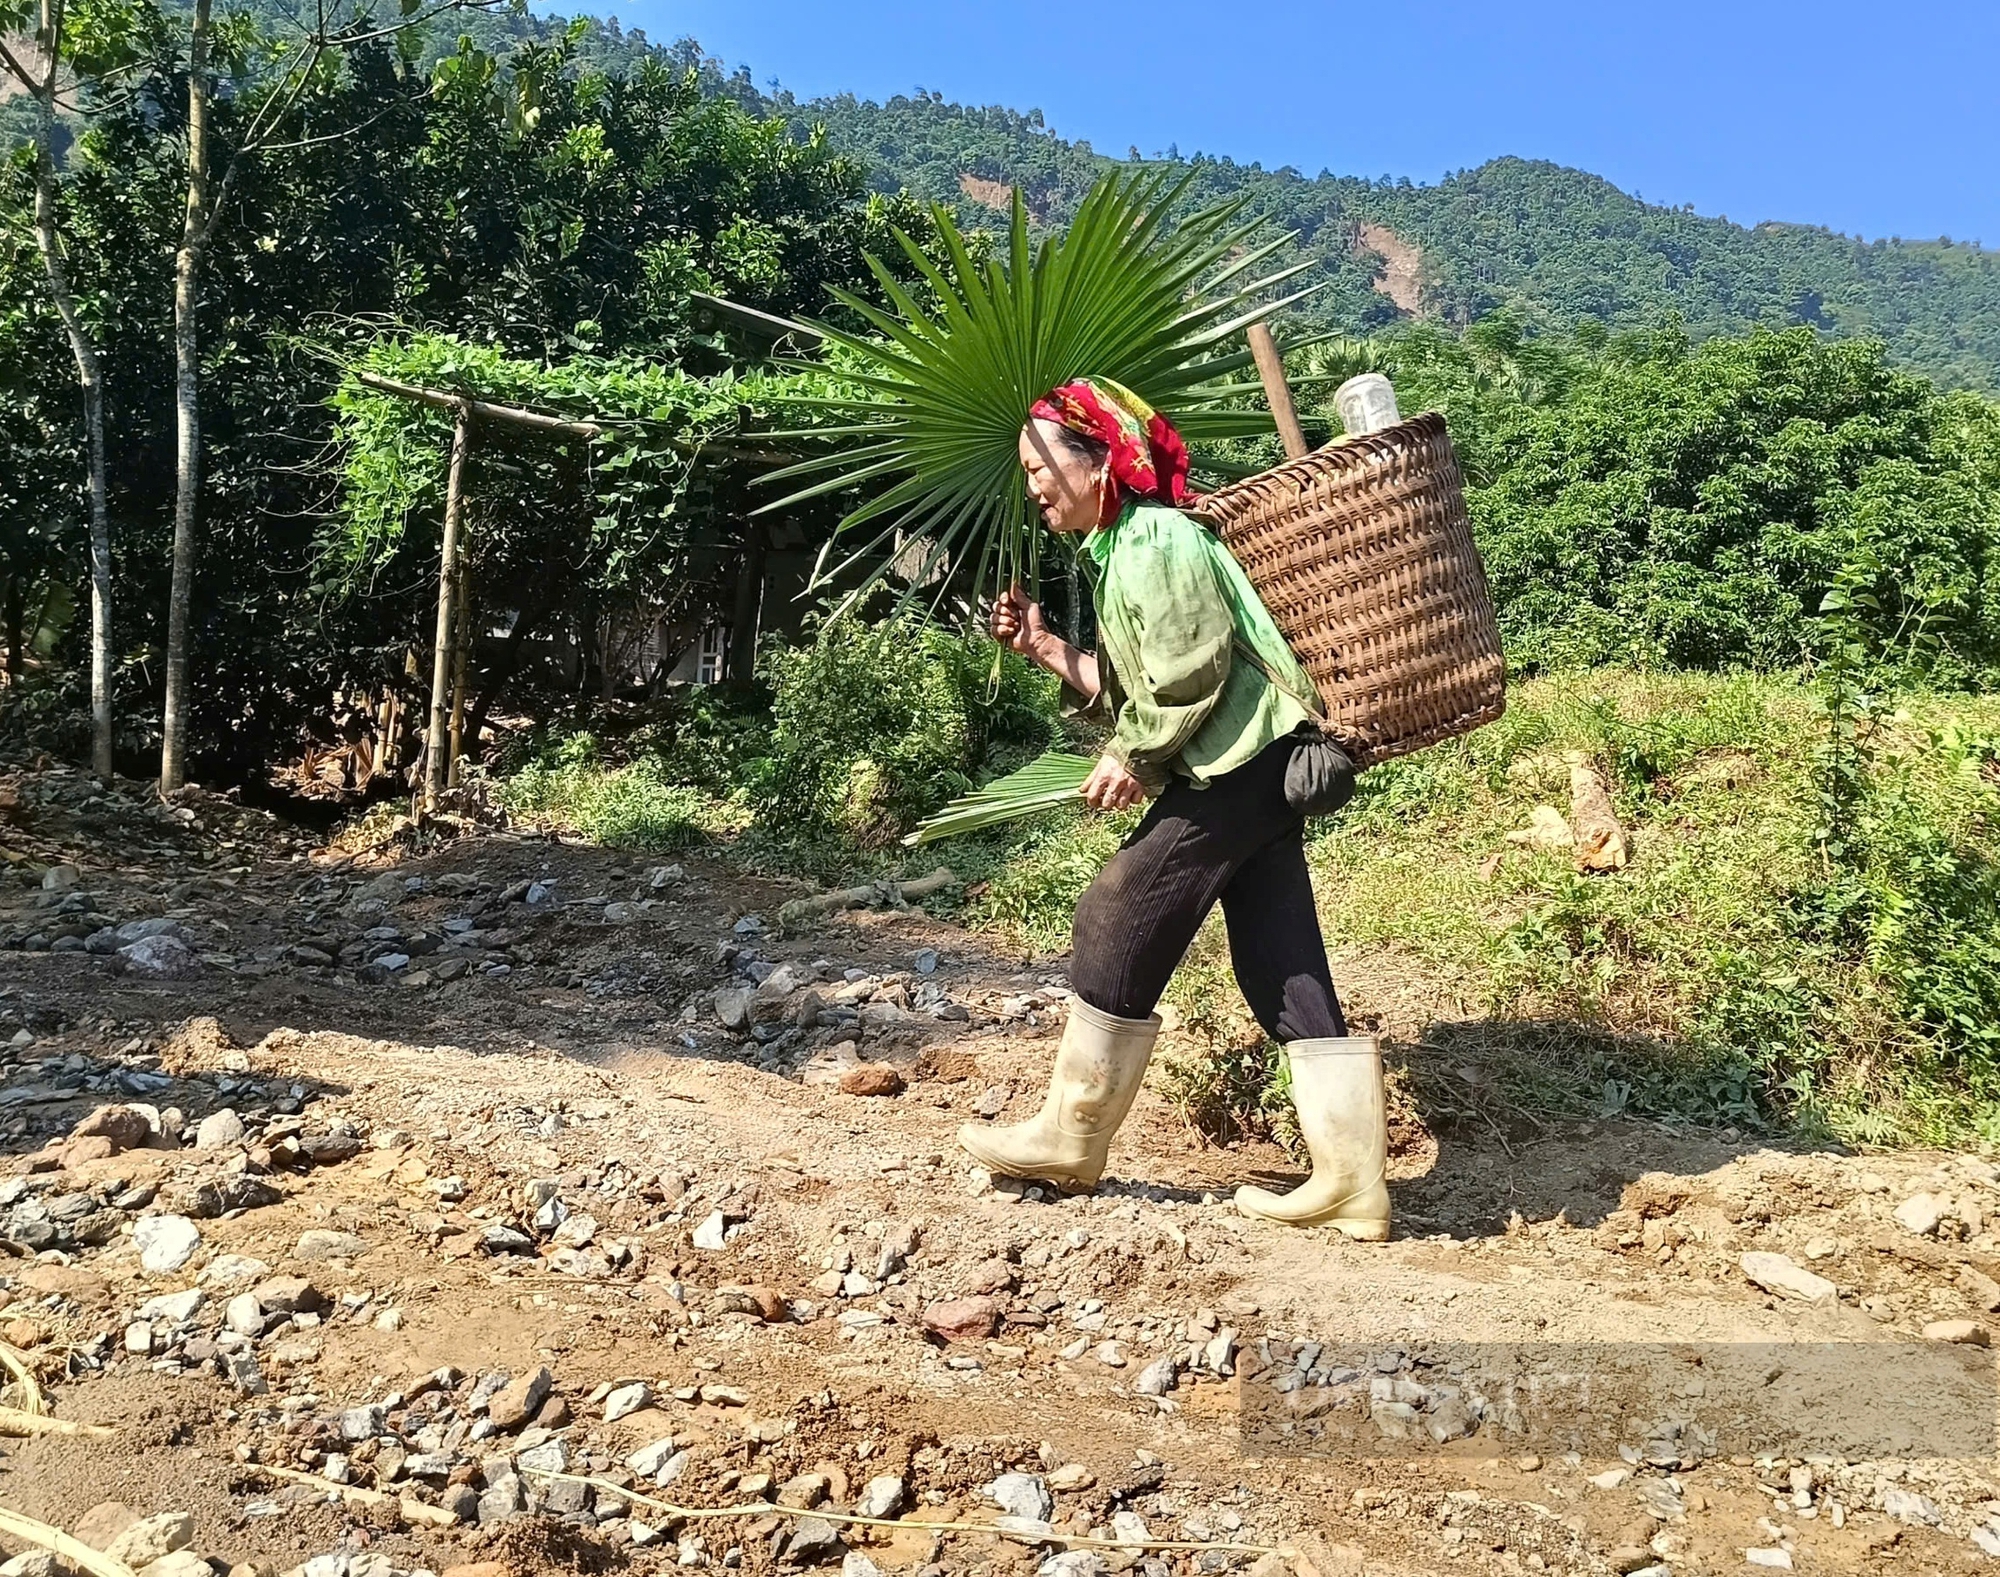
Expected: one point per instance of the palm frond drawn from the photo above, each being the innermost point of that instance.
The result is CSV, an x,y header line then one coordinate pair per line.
x,y
944,383
1046,783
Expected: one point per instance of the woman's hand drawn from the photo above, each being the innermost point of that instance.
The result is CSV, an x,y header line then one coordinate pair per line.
x,y
1016,622
1111,786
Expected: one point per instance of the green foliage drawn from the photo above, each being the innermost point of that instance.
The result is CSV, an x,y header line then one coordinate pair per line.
x,y
935,423
875,727
633,805
1642,501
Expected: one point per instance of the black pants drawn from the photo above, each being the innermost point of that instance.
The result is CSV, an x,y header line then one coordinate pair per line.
x,y
1237,841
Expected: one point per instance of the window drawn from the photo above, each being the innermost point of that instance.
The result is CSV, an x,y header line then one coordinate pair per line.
x,y
708,662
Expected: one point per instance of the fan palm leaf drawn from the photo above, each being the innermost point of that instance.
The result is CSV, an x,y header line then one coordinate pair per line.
x,y
942,385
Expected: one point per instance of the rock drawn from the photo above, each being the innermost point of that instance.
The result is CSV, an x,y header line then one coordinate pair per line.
x,y
219,1130
1981,1288
1074,1563
151,1538
1778,1273
1449,1420
165,1243
882,1496
139,1338
991,1277
519,1400
504,1498
499,1238
1967,1333
104,1521
710,1234
963,1319
1777,1559
1158,1377
35,1563
551,1456
1129,1529
160,958
61,878
125,1128
460,1501
855,1564
813,1540
732,1008
803,1491
1396,1420
288,1295
1023,1495
871,1078
648,1460
1071,1477
181,1563
173,1308
216,1199
322,1243
244,1315
1922,1213
1612,1478
226,1269
363,1423
626,1400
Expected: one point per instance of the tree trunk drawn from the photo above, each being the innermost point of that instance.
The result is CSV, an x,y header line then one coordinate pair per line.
x,y
740,661
187,407
90,379
438,744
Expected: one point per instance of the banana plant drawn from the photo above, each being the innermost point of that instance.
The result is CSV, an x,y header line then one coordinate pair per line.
x,y
937,394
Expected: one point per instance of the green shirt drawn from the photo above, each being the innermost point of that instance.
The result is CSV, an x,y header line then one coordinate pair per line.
x,y
1172,606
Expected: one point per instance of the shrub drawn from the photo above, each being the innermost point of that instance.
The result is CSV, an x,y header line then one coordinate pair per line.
x,y
636,805
874,727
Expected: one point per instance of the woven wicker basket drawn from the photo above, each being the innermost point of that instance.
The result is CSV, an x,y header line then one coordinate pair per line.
x,y
1363,553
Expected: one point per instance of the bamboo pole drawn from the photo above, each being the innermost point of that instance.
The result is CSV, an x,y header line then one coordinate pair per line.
x,y
1271,368
438,741
461,659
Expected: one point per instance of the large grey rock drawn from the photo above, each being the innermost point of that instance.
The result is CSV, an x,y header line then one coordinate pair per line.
x,y
1023,1495
1922,1213
160,958
813,1540
151,1538
1778,1273
219,1130
626,1400
173,1308
165,1243
882,1496
649,1459
504,1498
1158,1377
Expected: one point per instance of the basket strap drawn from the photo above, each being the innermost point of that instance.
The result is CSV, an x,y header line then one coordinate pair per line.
x,y
1316,704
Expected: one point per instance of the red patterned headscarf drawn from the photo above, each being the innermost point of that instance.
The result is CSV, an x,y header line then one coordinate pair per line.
x,y
1147,455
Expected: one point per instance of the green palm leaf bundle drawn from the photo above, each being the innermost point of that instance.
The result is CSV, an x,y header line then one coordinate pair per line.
x,y
943,386
1049,781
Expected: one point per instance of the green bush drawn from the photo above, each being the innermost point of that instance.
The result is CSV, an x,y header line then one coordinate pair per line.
x,y
874,727
636,805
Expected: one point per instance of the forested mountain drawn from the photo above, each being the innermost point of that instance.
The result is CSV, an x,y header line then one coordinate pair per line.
x,y
1555,244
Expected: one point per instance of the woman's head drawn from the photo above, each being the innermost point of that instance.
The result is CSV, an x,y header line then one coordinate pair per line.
x,y
1068,475
1089,443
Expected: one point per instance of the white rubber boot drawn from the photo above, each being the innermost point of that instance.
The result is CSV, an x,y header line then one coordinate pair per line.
x,y
1096,1076
1343,1116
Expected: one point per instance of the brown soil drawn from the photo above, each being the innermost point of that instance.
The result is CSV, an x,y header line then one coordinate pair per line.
x,y
997,195
597,1062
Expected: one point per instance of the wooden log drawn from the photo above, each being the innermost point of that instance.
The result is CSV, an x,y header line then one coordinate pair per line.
x,y
1271,368
1601,843
437,758
871,894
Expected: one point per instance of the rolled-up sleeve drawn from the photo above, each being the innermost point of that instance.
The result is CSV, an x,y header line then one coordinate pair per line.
x,y
1184,629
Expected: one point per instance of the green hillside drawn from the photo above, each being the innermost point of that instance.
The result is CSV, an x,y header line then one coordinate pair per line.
x,y
1554,244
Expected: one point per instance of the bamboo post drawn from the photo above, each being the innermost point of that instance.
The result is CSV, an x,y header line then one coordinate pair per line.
x,y
461,660
438,742
1271,368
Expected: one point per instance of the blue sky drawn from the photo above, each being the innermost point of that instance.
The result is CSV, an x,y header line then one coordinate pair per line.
x,y
1878,120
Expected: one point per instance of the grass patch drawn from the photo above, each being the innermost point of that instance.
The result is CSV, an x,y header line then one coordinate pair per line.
x,y
631,805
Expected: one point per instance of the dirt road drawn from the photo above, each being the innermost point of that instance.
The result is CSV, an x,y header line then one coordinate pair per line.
x,y
497,1181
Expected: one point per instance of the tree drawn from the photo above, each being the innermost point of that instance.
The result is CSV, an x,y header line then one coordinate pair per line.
x,y
303,68
108,37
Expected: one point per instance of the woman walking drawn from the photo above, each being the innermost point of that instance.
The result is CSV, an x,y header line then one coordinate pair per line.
x,y
1207,706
